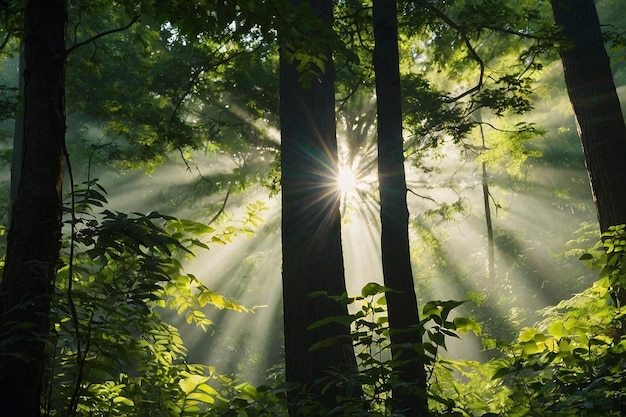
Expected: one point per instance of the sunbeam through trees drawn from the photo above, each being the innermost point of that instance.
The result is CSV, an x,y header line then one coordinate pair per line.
x,y
312,208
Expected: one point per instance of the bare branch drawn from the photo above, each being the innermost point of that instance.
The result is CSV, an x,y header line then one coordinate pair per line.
x,y
221,210
425,197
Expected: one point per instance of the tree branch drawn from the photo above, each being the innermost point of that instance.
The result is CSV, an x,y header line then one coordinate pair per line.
x,y
100,35
5,41
425,197
221,210
467,42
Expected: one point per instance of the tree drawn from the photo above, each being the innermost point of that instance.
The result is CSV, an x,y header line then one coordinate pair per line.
x,y
596,106
35,227
396,260
491,259
311,229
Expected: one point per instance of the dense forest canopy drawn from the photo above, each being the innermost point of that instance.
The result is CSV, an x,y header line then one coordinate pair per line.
x,y
216,203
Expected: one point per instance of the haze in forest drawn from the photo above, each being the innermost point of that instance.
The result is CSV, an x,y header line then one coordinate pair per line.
x,y
162,128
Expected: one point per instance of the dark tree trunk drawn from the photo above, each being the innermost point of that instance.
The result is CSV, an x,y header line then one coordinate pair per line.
x,y
35,227
596,105
491,258
311,228
409,400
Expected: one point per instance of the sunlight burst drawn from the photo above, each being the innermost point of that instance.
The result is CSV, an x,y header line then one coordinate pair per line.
x,y
346,180
354,185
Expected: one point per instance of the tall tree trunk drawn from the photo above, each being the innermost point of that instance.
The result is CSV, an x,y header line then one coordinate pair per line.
x,y
18,135
311,228
35,228
491,257
409,395
596,105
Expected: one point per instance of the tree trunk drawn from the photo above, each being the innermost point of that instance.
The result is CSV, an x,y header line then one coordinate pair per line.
x,y
409,394
596,105
35,228
491,257
311,229
18,135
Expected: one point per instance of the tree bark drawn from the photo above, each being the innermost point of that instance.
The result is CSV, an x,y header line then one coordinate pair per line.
x,y
596,105
311,228
35,227
409,394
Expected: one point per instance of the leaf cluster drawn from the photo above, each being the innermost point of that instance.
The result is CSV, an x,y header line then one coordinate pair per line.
x,y
377,373
112,353
570,364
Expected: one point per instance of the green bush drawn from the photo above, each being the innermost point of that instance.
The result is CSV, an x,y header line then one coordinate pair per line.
x,y
111,353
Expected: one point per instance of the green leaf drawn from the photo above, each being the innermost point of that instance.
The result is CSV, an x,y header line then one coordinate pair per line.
x,y
527,334
124,400
201,396
430,308
324,343
190,383
345,320
465,325
530,348
315,294
371,288
207,389
501,373
489,343
556,329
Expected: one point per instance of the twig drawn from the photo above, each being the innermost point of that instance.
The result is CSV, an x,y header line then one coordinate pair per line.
x,y
221,210
425,197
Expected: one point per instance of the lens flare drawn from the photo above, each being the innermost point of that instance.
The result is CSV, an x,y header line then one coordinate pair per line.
x,y
346,181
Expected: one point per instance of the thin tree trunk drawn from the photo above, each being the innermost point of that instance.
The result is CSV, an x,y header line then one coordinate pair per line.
x,y
35,227
311,228
409,394
491,259
596,105
18,135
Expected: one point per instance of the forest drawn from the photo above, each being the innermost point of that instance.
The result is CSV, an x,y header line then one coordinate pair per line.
x,y
312,208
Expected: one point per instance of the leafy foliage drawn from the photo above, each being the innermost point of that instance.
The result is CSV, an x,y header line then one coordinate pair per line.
x,y
116,356
377,374
112,353
571,364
